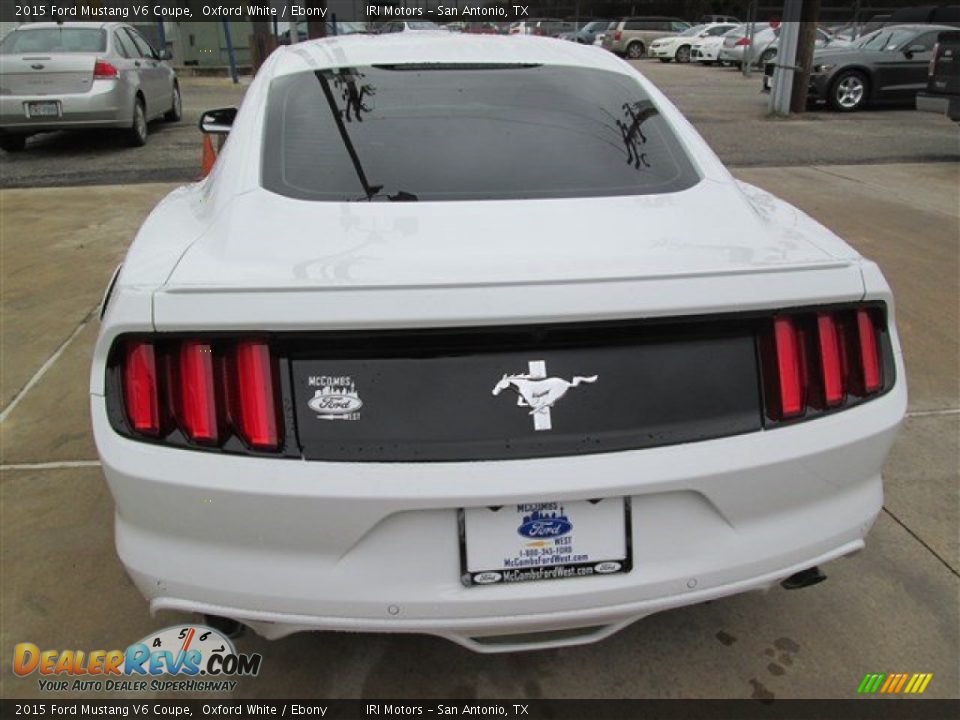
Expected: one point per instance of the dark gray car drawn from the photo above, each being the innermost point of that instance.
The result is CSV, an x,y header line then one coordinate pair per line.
x,y
888,65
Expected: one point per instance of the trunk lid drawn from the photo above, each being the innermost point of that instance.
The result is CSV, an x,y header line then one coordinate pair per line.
x,y
46,73
369,265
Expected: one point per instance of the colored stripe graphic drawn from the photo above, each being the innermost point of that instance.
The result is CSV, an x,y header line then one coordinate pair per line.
x,y
894,683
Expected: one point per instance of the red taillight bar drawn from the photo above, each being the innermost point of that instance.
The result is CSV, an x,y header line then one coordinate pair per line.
x,y
256,415
831,360
869,355
197,410
102,70
742,41
789,366
140,387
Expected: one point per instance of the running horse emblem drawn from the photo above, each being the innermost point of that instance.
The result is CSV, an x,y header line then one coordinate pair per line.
x,y
538,392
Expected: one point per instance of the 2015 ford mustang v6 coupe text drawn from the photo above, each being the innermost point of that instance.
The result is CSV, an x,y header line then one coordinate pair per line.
x,y
475,336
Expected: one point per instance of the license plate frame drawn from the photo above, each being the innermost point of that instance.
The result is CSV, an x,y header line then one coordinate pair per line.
x,y
33,106
553,567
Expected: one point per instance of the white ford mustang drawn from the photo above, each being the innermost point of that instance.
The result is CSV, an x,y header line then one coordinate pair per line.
x,y
452,341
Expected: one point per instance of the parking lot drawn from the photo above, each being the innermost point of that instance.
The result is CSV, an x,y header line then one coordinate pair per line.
x,y
887,181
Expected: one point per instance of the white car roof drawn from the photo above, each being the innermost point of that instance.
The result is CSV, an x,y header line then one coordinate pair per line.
x,y
361,50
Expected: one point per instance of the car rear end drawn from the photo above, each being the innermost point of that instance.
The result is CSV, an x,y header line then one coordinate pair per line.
x,y
60,78
512,440
942,94
615,39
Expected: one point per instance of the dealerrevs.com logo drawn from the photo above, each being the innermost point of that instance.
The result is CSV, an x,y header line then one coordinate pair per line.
x,y
198,657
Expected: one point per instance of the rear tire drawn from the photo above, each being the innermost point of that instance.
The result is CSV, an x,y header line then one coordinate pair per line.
x,y
137,134
13,143
176,110
636,50
766,57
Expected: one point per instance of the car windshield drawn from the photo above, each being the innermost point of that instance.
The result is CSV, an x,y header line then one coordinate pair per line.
x,y
886,39
467,132
691,31
55,40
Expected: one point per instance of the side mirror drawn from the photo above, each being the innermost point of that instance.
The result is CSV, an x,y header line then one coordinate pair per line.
x,y
218,121
164,54
910,51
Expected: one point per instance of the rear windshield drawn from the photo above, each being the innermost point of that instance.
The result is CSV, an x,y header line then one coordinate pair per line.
x,y
55,40
467,132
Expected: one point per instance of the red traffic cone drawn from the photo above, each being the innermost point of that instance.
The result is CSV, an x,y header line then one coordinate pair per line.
x,y
208,158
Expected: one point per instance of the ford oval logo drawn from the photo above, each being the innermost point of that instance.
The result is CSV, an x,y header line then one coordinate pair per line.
x,y
607,567
486,578
545,527
335,404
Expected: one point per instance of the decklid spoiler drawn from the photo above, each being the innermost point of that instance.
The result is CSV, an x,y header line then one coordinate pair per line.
x,y
274,262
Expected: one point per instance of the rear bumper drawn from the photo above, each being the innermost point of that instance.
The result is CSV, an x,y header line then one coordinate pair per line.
x,y
948,105
105,105
287,545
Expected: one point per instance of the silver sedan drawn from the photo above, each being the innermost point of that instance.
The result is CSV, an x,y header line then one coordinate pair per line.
x,y
75,76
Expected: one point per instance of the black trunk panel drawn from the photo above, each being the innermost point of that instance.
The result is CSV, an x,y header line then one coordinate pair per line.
x,y
428,395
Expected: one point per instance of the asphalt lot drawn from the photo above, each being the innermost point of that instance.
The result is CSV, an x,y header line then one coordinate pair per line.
x,y
895,607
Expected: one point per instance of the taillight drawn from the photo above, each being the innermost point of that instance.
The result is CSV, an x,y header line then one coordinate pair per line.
x,y
140,390
831,359
103,70
820,361
212,391
742,41
790,367
255,414
869,355
197,407
932,68
617,35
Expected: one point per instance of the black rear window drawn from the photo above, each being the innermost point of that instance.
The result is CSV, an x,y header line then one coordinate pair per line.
x,y
467,132
54,40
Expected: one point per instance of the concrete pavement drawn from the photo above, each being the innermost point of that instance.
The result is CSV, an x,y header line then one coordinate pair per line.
x,y
893,607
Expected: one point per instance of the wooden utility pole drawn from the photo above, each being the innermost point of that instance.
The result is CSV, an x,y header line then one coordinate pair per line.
x,y
809,13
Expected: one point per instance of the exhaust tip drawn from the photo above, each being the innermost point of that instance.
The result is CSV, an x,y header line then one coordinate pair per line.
x,y
226,626
803,579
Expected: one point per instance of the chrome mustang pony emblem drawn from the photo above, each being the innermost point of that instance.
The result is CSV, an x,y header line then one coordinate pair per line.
x,y
538,392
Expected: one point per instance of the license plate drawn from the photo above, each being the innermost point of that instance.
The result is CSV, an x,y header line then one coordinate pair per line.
x,y
544,541
43,109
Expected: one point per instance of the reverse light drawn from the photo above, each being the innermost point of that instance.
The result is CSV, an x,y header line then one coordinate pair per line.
x,y
102,70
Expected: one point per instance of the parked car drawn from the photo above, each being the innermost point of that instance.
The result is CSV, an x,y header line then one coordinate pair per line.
x,y
417,26
483,28
535,26
678,47
632,36
602,33
942,94
706,51
331,28
408,413
79,76
889,65
823,39
588,33
710,19
737,44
